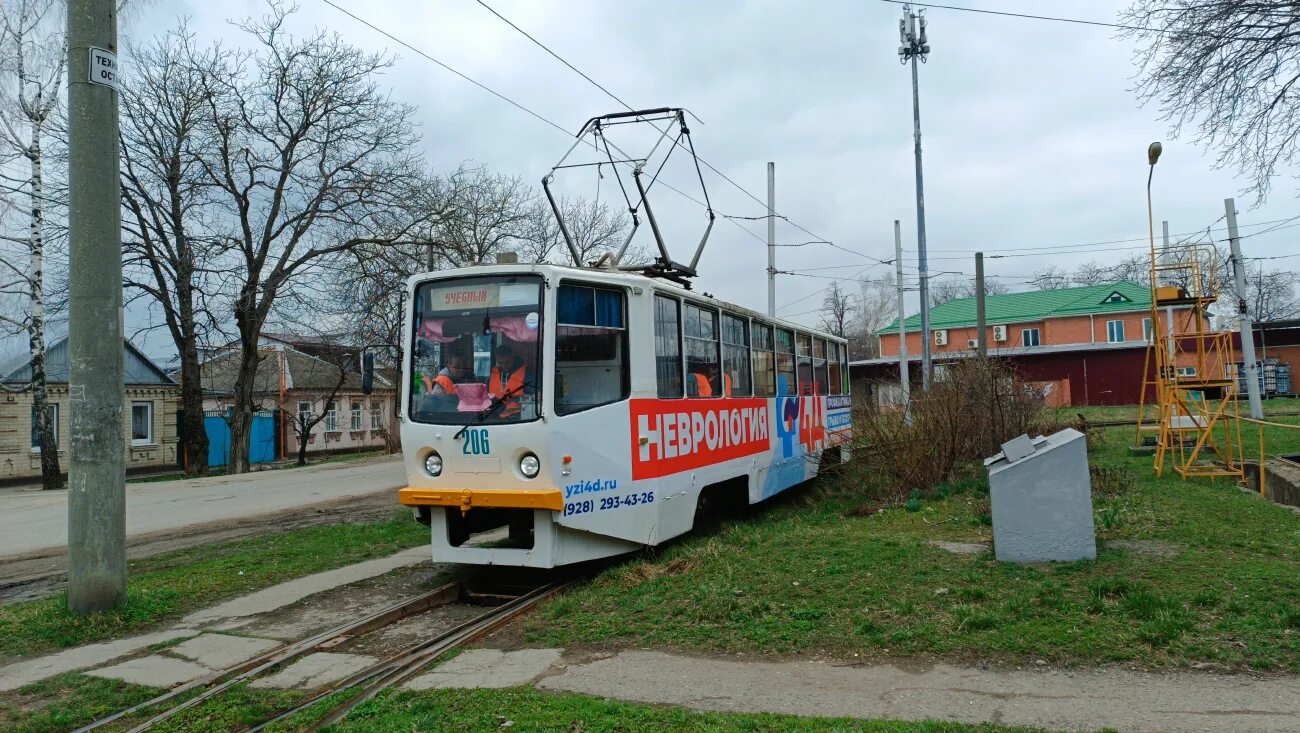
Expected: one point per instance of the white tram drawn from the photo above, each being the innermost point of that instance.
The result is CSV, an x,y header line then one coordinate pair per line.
x,y
588,410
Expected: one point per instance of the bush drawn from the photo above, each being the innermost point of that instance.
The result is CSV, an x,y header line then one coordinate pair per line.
x,y
974,407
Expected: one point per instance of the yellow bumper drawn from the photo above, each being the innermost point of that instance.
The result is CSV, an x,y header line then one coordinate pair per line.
x,y
467,499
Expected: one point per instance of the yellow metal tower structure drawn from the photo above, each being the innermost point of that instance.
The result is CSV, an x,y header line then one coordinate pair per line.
x,y
1194,376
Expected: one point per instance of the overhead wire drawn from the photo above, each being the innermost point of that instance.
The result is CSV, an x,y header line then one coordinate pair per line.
x,y
702,160
1077,21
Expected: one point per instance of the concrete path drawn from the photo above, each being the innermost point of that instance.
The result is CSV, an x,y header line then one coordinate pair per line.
x,y
37,521
177,664
1051,699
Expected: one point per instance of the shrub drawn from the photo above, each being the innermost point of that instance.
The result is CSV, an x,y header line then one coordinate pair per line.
x,y
974,407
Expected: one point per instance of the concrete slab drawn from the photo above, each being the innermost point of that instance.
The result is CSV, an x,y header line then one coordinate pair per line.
x,y
959,548
21,674
154,670
219,651
279,596
316,670
1092,699
488,668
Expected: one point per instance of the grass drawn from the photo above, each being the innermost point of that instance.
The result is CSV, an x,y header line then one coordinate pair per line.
x,y
530,710
72,700
810,576
1272,406
167,586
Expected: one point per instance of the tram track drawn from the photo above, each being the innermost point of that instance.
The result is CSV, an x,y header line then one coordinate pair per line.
x,y
394,669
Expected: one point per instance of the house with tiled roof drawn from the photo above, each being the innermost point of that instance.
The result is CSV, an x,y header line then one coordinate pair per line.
x,y
1082,345
1110,313
149,413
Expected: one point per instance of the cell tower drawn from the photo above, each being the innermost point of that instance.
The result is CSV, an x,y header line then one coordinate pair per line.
x,y
1194,376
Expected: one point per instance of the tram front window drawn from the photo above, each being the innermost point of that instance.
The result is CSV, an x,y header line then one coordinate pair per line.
x,y
476,350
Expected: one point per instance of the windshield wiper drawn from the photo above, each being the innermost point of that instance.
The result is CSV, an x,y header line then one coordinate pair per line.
x,y
492,407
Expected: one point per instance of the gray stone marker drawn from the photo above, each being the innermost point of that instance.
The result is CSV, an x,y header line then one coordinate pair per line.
x,y
1042,499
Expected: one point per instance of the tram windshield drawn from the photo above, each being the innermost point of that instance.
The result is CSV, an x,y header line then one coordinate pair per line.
x,y
477,350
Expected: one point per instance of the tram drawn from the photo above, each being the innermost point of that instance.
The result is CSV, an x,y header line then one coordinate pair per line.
x,y
589,410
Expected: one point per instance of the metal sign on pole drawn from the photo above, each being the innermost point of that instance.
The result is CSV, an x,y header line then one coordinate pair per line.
x,y
96,485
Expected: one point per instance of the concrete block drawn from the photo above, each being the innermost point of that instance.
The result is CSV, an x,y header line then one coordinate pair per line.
x,y
1042,503
153,671
488,668
219,651
21,674
316,670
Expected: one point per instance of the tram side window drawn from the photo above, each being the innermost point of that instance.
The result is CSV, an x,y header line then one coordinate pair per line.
x,y
833,358
591,365
668,346
735,356
701,331
820,377
803,351
844,368
785,381
764,361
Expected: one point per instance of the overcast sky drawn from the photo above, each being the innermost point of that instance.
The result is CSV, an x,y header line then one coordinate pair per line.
x,y
1032,135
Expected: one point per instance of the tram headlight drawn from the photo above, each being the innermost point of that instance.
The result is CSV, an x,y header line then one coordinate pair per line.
x,y
530,466
433,464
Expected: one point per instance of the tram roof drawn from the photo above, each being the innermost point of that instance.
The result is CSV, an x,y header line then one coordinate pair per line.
x,y
613,277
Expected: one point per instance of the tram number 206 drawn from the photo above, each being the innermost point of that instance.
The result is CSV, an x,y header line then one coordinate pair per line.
x,y
476,442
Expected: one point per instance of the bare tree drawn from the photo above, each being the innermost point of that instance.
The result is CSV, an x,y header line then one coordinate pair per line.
x,y
1271,295
876,307
595,228
1228,70
32,60
943,291
1091,273
837,310
331,374
492,213
308,157
1051,278
170,252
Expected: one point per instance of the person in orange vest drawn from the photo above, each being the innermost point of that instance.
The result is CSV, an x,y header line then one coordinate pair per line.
x,y
704,382
455,372
508,375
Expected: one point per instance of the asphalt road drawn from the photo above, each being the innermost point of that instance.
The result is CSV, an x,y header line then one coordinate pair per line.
x,y
36,522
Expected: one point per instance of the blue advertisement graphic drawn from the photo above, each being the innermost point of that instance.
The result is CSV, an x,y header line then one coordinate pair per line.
x,y
789,469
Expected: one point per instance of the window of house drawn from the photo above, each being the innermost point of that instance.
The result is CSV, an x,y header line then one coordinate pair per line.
x,y
821,378
833,358
376,417
1146,329
668,346
54,424
803,354
304,414
1029,337
591,362
356,416
1114,331
141,423
700,329
331,418
1187,371
785,373
764,360
735,356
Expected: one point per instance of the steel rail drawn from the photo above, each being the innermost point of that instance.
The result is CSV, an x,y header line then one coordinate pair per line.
x,y
257,665
409,661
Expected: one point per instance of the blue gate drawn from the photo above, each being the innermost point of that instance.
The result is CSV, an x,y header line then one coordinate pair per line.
x,y
261,439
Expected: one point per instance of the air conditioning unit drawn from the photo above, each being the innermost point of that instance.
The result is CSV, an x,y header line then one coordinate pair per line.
x,y
972,343
940,338
999,333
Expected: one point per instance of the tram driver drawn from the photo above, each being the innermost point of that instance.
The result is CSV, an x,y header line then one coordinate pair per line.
x,y
440,391
507,381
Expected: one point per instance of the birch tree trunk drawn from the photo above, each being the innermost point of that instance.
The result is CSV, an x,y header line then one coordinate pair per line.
x,y
51,476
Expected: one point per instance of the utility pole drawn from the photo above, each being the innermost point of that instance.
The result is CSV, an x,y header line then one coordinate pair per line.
x,y
904,372
1169,309
771,239
96,486
914,46
1243,317
981,338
